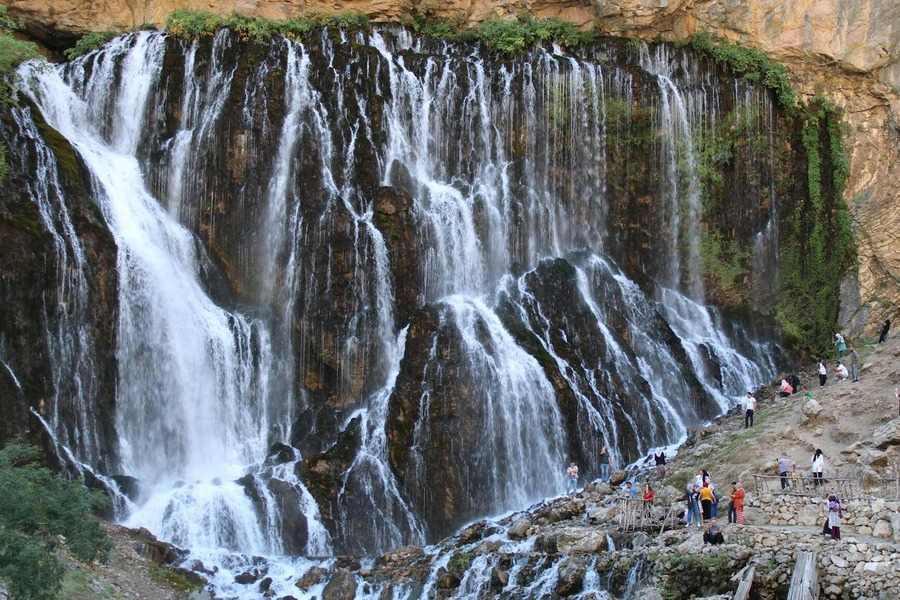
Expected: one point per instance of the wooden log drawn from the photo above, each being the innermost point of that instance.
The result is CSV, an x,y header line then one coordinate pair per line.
x,y
745,578
805,580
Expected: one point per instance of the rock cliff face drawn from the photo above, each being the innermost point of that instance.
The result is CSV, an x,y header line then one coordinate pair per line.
x,y
846,51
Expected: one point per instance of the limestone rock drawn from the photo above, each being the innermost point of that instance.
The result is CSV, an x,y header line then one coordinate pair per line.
x,y
575,540
887,435
618,478
311,578
810,410
519,529
571,575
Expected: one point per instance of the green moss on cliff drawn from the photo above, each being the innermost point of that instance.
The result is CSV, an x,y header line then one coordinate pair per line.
x,y
817,238
502,35
722,260
89,43
816,242
750,64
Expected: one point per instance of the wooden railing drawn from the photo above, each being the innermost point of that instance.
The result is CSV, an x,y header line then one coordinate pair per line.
x,y
639,514
846,488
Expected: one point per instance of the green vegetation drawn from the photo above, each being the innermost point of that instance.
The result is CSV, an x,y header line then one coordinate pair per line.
x,y
191,24
688,573
89,43
507,36
503,35
722,261
460,562
36,508
818,246
12,52
177,580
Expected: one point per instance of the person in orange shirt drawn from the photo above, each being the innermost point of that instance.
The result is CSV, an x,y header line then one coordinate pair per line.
x,y
706,501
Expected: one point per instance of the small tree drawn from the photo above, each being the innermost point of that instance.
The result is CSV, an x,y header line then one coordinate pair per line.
x,y
36,508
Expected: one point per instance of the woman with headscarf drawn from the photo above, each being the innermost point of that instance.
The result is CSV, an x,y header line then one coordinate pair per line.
x,y
738,501
818,463
834,516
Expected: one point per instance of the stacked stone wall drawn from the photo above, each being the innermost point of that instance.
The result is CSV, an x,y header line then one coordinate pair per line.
x,y
867,517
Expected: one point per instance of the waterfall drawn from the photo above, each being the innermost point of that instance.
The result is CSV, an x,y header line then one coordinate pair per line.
x,y
192,406
530,289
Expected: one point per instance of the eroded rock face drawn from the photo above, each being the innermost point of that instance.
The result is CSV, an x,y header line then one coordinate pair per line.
x,y
58,295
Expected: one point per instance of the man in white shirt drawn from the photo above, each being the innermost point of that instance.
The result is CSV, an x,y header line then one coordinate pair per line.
x,y
749,409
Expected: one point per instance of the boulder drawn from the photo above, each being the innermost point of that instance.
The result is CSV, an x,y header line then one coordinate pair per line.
x,y
571,576
887,435
342,586
519,529
246,577
882,529
618,478
575,540
810,410
311,578
499,578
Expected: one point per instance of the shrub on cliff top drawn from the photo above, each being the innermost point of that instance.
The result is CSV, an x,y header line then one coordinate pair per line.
x,y
749,63
192,24
36,507
514,35
89,43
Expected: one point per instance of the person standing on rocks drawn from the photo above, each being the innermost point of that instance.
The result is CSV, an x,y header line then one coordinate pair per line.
x,y
818,463
823,373
834,516
738,502
841,344
749,410
659,457
885,327
707,498
572,478
693,506
784,467
854,364
604,464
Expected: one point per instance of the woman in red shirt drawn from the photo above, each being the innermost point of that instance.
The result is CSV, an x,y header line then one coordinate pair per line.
x,y
737,500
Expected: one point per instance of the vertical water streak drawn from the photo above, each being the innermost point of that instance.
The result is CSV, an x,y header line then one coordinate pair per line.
x,y
389,520
65,311
681,187
202,102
